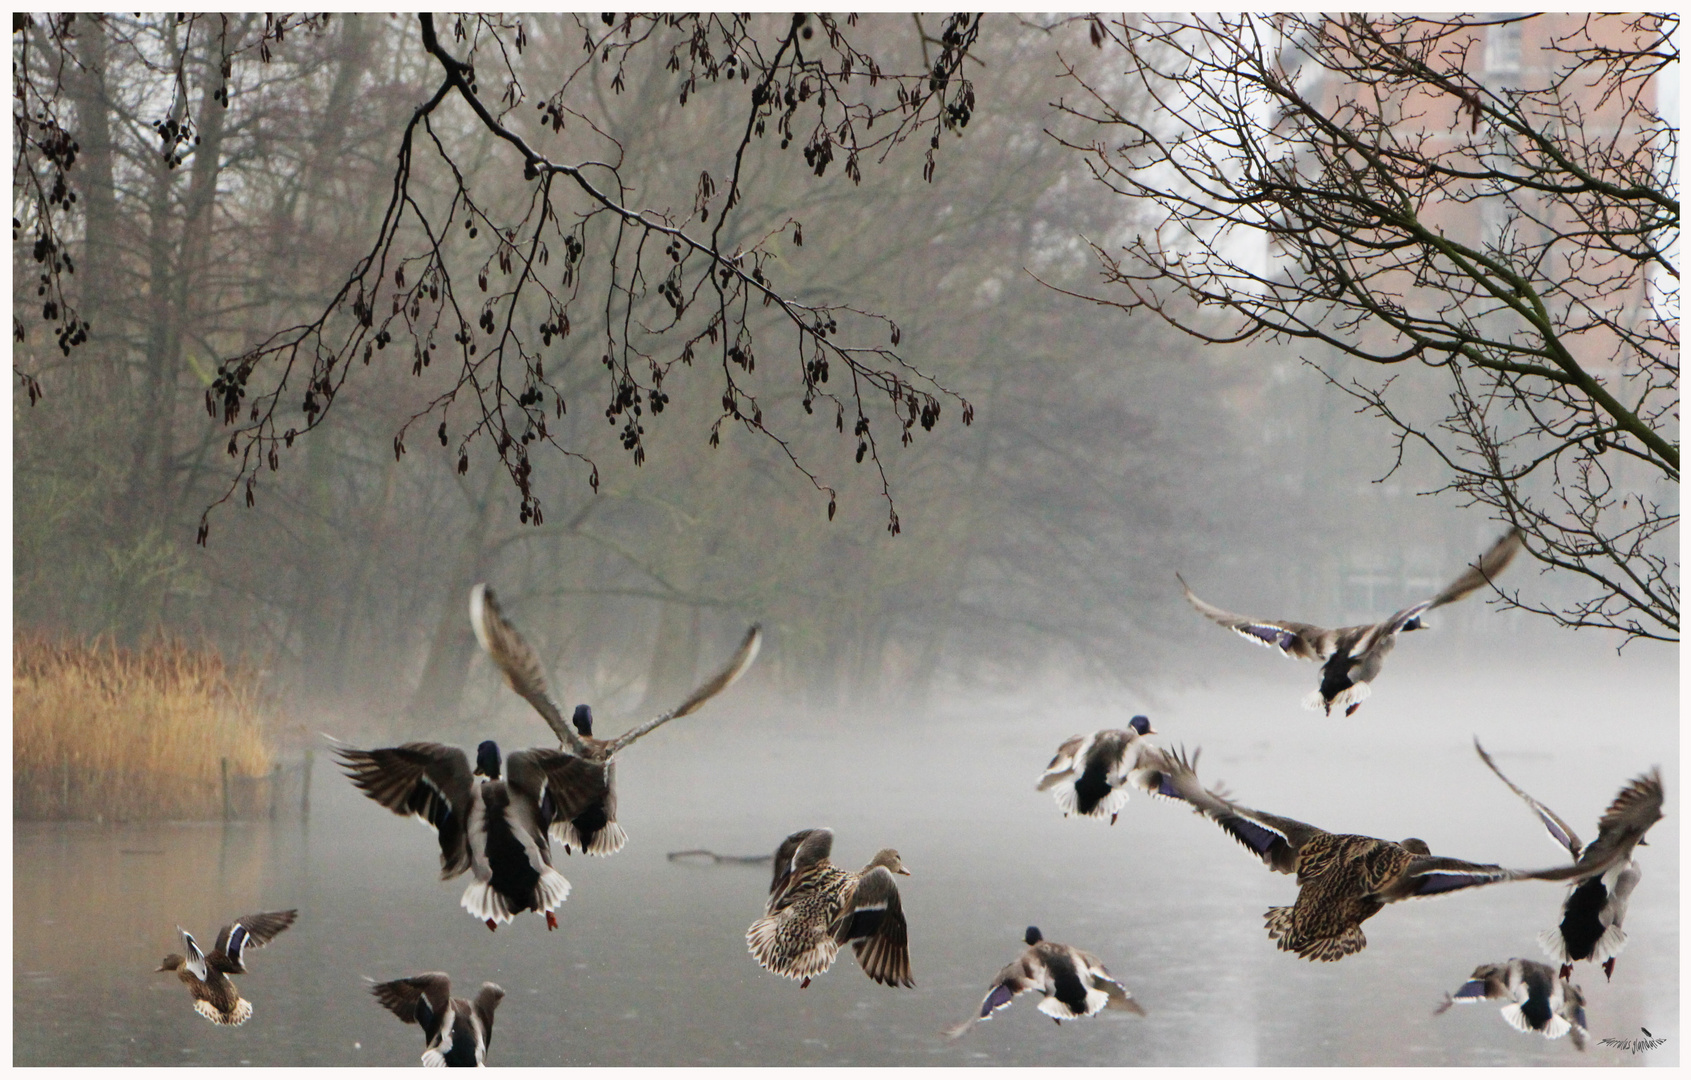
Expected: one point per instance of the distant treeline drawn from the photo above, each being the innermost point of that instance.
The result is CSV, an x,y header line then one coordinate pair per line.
x,y
102,732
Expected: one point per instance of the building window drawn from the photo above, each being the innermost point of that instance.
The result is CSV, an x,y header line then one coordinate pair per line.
x,y
1503,48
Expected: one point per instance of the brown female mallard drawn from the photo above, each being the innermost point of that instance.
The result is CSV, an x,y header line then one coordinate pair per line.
x,y
1343,880
207,975
815,907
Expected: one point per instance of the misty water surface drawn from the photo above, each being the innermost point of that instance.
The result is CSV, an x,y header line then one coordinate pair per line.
x,y
650,966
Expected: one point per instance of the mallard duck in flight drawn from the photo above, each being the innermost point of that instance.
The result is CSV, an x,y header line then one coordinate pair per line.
x,y
1343,880
207,974
815,907
1073,984
1535,998
1603,873
591,825
457,1031
1351,656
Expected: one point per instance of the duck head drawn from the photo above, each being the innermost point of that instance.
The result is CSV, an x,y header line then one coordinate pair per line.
x,y
172,962
1141,724
888,858
1415,844
487,760
1033,936
583,721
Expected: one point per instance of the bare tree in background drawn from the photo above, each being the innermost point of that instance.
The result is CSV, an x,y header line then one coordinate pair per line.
x,y
582,254
1510,221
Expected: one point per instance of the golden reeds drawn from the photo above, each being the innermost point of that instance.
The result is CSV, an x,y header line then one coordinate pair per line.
x,y
102,732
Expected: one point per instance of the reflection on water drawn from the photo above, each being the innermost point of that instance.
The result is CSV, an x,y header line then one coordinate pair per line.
x,y
650,967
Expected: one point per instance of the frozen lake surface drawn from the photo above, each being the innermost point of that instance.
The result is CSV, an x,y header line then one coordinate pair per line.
x,y
650,967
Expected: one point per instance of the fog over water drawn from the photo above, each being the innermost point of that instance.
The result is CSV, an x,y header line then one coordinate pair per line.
x,y
649,966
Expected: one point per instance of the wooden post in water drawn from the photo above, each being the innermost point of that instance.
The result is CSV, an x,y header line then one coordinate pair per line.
x,y
305,787
227,811
275,787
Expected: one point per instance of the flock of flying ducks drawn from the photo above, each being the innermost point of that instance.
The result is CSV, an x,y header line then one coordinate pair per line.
x,y
498,820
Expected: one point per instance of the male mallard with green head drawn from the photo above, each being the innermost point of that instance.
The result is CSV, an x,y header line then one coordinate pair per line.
x,y
207,975
1074,984
1352,656
457,1031
1603,873
591,825
495,828
815,907
1089,774
1535,998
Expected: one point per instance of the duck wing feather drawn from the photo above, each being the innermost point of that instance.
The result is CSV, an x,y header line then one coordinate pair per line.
x,y
486,1001
1019,976
1304,641
1635,809
1430,875
424,779
518,664
253,931
1558,829
1120,997
716,684
884,951
798,853
423,1000
1275,840
1483,571
560,785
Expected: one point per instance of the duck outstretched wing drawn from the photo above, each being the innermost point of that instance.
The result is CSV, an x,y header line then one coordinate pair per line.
x,y
1120,997
798,853
873,921
1558,829
716,684
486,1001
1483,571
249,931
428,780
1430,875
1020,975
1635,809
1304,641
422,1000
560,785
518,664
1275,840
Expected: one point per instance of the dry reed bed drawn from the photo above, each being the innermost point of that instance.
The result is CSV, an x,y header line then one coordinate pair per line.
x,y
103,732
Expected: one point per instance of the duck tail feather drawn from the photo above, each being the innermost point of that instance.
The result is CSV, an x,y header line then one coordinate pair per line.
x,y
1554,945
1517,1019
552,889
1610,944
484,902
